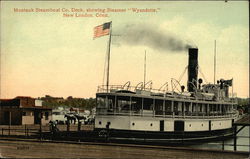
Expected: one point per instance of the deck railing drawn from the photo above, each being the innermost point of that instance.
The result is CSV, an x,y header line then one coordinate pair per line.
x,y
197,115
114,88
155,92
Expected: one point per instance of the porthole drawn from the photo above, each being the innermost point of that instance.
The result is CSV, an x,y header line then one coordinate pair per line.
x,y
189,125
201,124
100,123
133,124
151,124
220,123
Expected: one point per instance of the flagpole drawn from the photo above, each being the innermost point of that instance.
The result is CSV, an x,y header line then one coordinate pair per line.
x,y
108,52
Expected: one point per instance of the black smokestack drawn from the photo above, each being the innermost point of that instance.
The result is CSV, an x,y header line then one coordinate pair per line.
x,y
192,68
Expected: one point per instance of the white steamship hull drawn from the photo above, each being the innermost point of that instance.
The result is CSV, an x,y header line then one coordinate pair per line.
x,y
140,113
162,130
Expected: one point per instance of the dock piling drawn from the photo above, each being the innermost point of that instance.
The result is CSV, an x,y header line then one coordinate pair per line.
x,y
40,130
223,143
235,138
79,126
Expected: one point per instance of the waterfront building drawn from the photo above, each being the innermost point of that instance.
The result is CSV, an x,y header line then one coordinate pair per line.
x,y
23,110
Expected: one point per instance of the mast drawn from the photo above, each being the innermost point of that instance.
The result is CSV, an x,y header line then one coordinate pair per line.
x,y
108,52
232,88
144,81
214,60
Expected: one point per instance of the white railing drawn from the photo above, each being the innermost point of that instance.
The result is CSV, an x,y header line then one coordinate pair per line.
x,y
115,88
193,115
139,89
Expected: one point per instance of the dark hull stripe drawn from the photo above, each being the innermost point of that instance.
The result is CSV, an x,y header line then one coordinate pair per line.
x,y
162,136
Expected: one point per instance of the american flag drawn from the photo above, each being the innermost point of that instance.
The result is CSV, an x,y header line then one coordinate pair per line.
x,y
102,30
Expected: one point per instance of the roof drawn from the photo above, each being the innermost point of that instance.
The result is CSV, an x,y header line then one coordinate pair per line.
x,y
21,101
18,97
9,102
5,99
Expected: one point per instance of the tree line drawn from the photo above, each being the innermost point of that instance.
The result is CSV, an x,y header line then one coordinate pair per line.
x,y
82,103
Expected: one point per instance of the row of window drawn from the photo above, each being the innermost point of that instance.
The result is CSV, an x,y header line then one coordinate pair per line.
x,y
135,104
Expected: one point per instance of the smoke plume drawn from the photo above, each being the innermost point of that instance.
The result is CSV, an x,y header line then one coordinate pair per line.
x,y
151,36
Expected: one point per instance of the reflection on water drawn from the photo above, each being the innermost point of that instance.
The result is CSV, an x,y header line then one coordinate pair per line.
x,y
243,139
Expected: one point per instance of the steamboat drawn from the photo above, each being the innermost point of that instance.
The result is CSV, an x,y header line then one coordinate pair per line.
x,y
203,111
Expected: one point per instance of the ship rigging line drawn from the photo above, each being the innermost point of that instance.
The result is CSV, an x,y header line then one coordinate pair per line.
x,y
180,78
214,60
144,81
199,68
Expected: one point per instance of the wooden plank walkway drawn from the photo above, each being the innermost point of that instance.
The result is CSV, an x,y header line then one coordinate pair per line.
x,y
29,149
244,121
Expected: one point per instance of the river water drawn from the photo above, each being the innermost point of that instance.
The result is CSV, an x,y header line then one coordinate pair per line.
x,y
242,139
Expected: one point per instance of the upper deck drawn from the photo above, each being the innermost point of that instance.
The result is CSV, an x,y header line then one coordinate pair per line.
x,y
163,93
127,100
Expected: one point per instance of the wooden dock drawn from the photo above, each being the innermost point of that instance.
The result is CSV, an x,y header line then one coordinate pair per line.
x,y
244,121
36,149
238,126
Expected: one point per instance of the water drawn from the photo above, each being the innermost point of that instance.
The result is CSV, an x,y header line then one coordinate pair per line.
x,y
242,139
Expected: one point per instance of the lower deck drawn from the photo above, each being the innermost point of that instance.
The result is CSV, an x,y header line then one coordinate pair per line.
x,y
161,130
138,123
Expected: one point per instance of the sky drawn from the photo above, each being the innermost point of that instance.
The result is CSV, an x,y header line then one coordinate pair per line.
x,y
46,53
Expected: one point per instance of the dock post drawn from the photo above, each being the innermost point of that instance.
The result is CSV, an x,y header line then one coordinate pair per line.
x,y
9,121
223,143
40,130
182,137
25,130
79,126
235,138
68,127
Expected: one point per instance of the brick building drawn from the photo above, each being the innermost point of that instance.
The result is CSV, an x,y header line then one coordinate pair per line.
x,y
23,110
